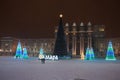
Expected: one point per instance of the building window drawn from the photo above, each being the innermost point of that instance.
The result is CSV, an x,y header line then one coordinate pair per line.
x,y
101,45
45,44
101,29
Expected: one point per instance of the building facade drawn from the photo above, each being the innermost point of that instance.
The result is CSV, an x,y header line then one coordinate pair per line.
x,y
78,37
8,46
103,45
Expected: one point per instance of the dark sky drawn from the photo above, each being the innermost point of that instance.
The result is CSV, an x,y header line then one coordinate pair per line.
x,y
37,18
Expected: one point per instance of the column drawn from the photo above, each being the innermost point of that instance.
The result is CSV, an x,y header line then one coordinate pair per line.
x,y
74,45
74,39
67,36
82,47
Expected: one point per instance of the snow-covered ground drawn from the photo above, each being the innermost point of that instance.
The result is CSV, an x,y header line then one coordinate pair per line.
x,y
75,69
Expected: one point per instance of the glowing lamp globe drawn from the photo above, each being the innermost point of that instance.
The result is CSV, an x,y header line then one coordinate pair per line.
x,y
61,15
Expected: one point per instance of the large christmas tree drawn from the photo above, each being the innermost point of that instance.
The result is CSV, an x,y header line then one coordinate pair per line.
x,y
18,51
110,52
60,44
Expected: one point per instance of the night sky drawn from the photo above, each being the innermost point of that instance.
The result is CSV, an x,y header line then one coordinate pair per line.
x,y
38,18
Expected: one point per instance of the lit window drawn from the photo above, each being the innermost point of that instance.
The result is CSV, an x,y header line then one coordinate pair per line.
x,y
101,29
66,33
1,50
56,30
45,44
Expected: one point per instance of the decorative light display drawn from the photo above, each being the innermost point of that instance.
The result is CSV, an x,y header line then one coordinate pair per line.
x,y
41,54
41,51
18,51
25,54
89,54
110,52
60,47
82,56
92,53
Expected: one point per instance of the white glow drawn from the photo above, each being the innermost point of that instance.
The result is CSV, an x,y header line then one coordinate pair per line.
x,y
82,56
41,56
61,15
10,50
74,24
1,50
89,24
66,24
81,24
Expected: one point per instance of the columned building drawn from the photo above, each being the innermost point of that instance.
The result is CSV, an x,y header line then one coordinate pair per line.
x,y
79,37
8,44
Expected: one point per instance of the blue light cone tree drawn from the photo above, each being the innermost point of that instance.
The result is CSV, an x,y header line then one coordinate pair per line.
x,y
25,54
41,51
18,51
110,52
89,54
92,53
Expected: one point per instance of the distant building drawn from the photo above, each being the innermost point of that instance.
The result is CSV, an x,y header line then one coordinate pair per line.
x,y
78,37
8,45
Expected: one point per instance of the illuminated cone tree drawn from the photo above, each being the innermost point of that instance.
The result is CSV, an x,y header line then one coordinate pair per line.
x,y
110,52
25,54
41,51
18,51
60,48
89,54
92,53
41,54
